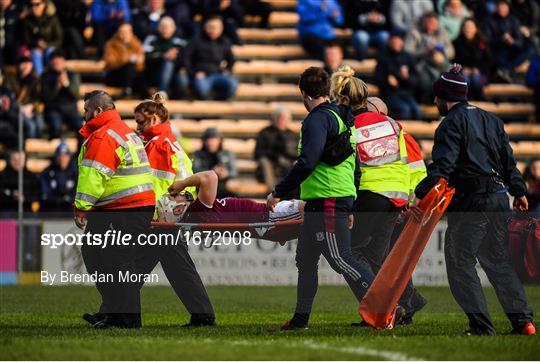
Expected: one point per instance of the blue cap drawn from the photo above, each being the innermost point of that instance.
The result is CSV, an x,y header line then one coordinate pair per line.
x,y
62,149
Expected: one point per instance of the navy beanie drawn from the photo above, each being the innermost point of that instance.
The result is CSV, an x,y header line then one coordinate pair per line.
x,y
451,85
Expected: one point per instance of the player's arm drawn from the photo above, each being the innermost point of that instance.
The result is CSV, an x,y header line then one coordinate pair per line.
x,y
205,181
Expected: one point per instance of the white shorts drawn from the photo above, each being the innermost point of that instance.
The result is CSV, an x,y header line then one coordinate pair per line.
x,y
286,210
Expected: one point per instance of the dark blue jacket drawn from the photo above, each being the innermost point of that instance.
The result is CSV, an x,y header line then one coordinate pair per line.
x,y
318,127
57,187
471,144
532,79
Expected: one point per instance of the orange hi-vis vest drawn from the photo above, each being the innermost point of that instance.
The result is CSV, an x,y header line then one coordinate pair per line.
x,y
114,172
169,162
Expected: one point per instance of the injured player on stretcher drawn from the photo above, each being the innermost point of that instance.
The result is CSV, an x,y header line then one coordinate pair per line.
x,y
180,206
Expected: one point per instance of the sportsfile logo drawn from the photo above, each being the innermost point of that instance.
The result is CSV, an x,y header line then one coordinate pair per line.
x,y
121,238
109,238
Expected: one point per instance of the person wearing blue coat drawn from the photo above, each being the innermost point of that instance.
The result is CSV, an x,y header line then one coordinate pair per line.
x,y
107,16
532,79
316,25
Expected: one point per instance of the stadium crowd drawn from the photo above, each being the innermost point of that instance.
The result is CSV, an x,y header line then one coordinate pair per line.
x,y
184,49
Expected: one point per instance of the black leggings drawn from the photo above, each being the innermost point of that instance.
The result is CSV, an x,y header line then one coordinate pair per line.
x,y
325,231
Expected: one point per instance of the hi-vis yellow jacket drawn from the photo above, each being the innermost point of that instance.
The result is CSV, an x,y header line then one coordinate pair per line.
x,y
390,159
167,159
114,172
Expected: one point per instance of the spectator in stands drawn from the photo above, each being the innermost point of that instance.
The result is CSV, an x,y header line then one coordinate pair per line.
x,y
124,58
276,148
212,156
316,26
9,183
421,41
146,20
452,15
183,12
532,79
107,16
8,117
368,20
395,75
74,15
480,9
60,92
532,181
231,13
9,18
41,32
528,14
405,15
57,182
258,8
428,70
508,45
333,57
163,60
25,83
472,52
209,60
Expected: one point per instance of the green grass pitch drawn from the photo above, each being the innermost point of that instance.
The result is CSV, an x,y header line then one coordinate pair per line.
x,y
44,323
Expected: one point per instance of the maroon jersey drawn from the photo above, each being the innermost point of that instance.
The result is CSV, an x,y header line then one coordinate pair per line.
x,y
227,210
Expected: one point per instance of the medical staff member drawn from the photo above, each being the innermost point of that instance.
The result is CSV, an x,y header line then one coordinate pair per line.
x,y
114,193
170,163
391,166
326,176
471,151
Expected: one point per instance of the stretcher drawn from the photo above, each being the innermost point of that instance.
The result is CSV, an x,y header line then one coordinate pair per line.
x,y
377,308
277,231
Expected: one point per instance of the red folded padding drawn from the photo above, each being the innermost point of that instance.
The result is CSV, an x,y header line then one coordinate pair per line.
x,y
378,305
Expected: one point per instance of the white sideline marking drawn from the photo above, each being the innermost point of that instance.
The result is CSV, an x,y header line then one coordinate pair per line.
x,y
363,351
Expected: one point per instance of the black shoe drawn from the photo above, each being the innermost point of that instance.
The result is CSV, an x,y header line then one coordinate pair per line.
x,y
291,326
93,318
104,325
201,321
415,308
199,324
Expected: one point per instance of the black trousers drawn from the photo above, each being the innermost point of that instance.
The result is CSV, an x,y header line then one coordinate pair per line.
x,y
325,231
181,273
120,299
375,218
477,231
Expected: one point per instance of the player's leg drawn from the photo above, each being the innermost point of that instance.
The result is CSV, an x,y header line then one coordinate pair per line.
x,y
495,260
187,284
307,258
336,246
462,241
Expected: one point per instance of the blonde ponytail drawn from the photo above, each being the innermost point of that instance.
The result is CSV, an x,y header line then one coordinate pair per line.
x,y
154,106
347,89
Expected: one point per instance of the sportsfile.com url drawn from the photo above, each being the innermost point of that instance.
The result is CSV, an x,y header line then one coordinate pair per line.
x,y
119,238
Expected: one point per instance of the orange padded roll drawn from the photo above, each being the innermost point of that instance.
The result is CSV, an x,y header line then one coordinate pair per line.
x,y
378,305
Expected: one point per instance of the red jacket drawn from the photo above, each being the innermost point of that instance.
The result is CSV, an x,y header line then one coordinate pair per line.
x,y
167,159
